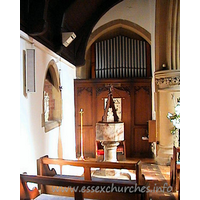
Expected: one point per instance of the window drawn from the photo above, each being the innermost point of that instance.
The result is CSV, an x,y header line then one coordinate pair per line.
x,y
52,103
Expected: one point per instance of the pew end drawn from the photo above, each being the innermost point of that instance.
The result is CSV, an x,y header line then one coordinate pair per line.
x,y
44,169
175,170
140,178
26,193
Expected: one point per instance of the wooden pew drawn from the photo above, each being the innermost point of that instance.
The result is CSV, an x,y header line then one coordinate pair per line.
x,y
175,170
80,188
25,192
44,162
44,170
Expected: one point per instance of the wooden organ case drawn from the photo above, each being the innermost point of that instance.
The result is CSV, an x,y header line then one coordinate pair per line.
x,y
123,63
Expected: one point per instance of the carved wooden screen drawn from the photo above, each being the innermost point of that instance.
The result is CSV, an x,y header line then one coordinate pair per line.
x,y
135,100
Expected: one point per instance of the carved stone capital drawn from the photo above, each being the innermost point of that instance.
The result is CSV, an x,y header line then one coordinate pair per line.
x,y
168,81
167,78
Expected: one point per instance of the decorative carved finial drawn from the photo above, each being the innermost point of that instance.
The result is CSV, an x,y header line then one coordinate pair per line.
x,y
110,104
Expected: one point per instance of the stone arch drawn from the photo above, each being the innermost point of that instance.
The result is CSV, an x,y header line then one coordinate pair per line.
x,y
52,103
52,67
115,24
84,71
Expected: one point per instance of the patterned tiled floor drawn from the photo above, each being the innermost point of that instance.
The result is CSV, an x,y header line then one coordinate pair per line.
x,y
152,172
158,179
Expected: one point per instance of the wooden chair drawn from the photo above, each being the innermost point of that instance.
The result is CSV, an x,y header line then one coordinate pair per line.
x,y
175,170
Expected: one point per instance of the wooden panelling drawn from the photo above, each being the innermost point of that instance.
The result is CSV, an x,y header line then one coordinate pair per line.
x,y
88,141
101,94
84,101
142,104
152,130
135,95
141,147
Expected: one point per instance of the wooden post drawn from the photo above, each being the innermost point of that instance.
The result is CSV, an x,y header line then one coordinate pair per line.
x,y
41,174
87,173
93,61
78,195
148,57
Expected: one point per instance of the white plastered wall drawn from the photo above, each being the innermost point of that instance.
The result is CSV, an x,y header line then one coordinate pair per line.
x,y
137,11
34,142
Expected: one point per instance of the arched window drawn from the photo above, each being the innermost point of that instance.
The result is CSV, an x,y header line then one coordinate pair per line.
x,y
52,103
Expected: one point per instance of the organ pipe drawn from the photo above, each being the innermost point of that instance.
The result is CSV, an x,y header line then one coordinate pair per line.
x,y
120,57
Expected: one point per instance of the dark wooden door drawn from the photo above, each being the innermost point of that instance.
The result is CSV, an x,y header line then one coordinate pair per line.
x,y
141,113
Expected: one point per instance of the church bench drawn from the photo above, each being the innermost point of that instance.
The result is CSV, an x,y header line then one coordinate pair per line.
x,y
27,194
118,190
175,170
44,162
44,169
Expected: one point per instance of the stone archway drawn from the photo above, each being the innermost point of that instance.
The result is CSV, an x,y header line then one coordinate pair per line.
x,y
119,23
52,67
128,26
52,104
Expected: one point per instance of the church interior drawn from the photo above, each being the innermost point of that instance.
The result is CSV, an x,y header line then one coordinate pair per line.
x,y
100,98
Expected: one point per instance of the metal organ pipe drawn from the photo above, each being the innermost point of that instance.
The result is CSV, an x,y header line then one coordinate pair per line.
x,y
120,57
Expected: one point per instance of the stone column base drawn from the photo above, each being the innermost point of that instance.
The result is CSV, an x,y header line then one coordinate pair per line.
x,y
164,155
110,151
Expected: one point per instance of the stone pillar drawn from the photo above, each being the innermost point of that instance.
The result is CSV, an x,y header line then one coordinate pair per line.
x,y
167,92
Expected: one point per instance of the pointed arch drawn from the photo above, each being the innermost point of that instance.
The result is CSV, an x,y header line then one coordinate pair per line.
x,y
119,23
52,103
53,69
